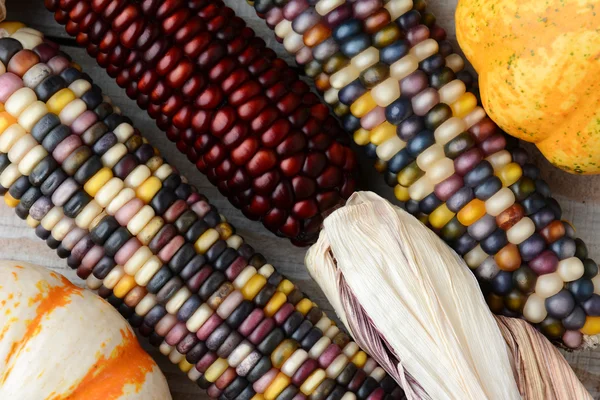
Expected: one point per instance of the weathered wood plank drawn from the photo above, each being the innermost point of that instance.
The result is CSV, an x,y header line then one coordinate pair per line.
x,y
19,242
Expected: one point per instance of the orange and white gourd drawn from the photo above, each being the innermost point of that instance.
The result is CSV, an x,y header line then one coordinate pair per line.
x,y
58,341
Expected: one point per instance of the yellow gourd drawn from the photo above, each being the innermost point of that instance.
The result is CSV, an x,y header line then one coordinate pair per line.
x,y
539,73
58,341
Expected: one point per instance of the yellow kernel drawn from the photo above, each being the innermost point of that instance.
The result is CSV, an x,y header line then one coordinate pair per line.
x,y
359,359
59,100
6,120
147,190
185,366
313,381
225,230
258,396
124,286
150,230
304,306
253,286
31,222
440,216
382,132
362,137
464,105
277,386
283,351
206,240
10,201
410,174
471,212
591,326
401,193
510,174
96,182
340,109
286,286
275,304
11,26
76,66
216,369
363,105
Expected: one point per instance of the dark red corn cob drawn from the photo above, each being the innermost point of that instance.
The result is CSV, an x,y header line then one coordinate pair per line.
x,y
236,110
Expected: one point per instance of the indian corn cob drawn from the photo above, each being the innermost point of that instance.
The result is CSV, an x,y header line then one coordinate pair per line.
x,y
388,71
238,112
78,172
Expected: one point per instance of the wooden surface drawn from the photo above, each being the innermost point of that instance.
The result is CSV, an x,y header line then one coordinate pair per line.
x,y
579,196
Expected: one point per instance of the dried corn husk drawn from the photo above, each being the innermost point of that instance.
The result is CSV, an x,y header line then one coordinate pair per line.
x,y
412,304
540,370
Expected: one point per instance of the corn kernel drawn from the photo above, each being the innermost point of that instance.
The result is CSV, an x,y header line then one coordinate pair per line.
x,y
363,105
206,240
277,386
6,120
359,359
401,193
592,326
440,216
253,286
471,212
126,283
11,26
304,306
510,174
95,183
10,201
216,369
275,304
286,286
464,105
59,100
147,190
313,381
382,132
31,222
410,174
362,137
